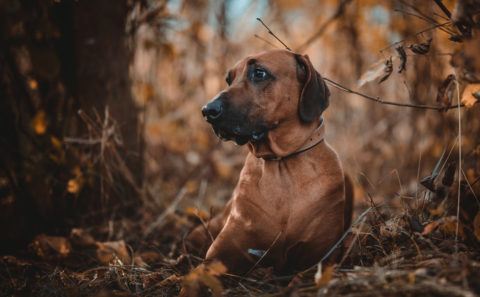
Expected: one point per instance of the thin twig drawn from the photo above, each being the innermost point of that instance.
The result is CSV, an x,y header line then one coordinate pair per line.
x,y
334,247
381,101
425,19
376,99
471,189
266,41
264,254
459,165
443,8
414,35
273,34
170,210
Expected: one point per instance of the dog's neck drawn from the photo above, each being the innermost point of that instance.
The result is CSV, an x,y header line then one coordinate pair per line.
x,y
315,138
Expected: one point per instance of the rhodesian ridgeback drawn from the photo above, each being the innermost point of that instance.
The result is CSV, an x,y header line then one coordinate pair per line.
x,y
292,202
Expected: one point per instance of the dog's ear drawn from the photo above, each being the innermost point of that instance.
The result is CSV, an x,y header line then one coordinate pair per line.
x,y
314,95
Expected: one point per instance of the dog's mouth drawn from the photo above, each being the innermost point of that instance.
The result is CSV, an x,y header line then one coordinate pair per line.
x,y
241,135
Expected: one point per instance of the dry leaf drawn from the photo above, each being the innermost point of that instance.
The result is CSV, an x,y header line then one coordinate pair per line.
x,y
446,91
206,275
80,238
447,225
46,246
40,122
421,48
110,251
74,185
429,228
33,84
387,70
195,212
403,58
322,278
374,71
471,95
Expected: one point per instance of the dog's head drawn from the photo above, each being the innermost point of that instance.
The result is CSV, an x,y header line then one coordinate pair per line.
x,y
273,102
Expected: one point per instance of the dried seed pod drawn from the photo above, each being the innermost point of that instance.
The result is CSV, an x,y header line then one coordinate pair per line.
x,y
421,48
387,70
446,90
403,58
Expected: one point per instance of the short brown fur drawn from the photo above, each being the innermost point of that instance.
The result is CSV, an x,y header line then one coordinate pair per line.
x,y
297,202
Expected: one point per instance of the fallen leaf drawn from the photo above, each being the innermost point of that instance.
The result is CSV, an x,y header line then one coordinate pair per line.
x,y
205,275
323,277
80,238
429,228
46,246
111,251
471,95
171,280
447,225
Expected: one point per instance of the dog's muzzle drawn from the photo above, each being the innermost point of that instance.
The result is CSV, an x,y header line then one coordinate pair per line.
x,y
229,123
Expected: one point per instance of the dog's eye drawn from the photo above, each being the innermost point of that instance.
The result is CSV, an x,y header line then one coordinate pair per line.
x,y
228,79
259,74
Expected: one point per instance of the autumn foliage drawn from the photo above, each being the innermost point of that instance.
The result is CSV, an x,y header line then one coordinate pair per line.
x,y
106,163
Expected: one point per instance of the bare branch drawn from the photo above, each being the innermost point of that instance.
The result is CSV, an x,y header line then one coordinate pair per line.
x,y
443,8
275,36
264,40
381,101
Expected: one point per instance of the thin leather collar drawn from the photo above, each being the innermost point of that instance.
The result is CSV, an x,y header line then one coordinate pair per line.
x,y
317,137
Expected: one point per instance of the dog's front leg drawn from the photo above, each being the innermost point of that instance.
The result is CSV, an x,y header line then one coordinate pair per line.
x,y
202,236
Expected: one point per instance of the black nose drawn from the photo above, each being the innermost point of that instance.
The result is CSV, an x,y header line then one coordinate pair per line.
x,y
213,109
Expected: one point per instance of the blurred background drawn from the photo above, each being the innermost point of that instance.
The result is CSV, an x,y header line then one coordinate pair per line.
x,y
100,104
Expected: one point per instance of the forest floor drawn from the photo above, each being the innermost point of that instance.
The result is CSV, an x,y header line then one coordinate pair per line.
x,y
407,250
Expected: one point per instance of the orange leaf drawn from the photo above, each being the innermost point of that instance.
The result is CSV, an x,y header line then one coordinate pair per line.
x,y
471,95
323,277
195,212
430,227
40,122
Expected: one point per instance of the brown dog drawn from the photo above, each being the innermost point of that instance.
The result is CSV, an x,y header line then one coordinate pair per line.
x,y
292,202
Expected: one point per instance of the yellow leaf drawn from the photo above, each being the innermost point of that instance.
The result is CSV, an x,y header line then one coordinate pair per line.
x,y
216,268
73,186
33,84
471,95
429,228
40,122
56,143
323,277
194,212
